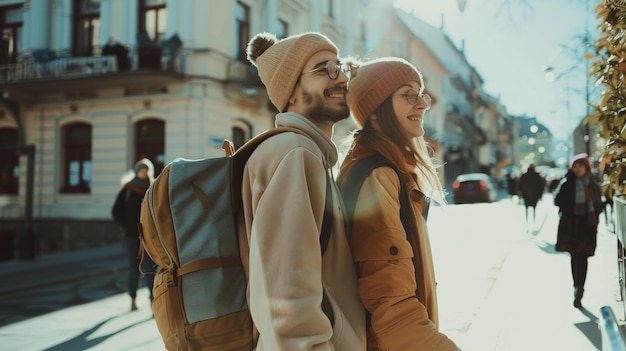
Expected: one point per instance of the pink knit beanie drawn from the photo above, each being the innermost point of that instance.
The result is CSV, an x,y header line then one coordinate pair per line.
x,y
581,158
374,82
280,62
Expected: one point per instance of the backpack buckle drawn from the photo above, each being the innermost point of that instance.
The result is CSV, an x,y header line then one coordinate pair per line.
x,y
170,278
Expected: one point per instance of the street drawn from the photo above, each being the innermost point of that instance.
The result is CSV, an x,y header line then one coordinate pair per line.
x,y
501,287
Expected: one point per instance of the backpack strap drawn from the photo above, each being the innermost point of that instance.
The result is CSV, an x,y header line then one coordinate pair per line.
x,y
354,182
327,222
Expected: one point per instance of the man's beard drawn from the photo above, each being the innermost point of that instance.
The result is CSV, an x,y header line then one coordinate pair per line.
x,y
320,111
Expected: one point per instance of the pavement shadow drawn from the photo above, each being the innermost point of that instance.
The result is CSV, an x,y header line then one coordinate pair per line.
x,y
590,329
82,342
546,247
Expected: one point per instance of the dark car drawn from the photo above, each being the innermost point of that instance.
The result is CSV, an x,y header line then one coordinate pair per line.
x,y
473,187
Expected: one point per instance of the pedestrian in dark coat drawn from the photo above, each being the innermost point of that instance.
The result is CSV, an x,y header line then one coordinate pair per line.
x,y
125,211
579,201
531,185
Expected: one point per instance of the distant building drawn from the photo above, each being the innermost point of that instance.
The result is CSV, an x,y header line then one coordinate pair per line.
x,y
535,143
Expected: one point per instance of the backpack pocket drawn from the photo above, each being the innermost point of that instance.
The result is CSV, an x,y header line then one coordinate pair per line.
x,y
230,332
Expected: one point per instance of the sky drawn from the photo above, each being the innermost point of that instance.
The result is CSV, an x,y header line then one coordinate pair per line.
x,y
510,43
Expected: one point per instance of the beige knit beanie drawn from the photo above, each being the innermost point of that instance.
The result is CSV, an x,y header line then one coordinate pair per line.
x,y
374,82
280,62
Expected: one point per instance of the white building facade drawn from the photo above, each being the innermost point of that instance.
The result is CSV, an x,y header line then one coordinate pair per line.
x,y
77,110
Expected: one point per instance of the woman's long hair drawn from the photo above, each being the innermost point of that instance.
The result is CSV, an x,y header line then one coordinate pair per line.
x,y
409,154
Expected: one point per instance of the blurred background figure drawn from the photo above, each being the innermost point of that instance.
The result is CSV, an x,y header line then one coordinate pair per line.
x,y
578,197
125,212
511,186
531,187
114,48
607,201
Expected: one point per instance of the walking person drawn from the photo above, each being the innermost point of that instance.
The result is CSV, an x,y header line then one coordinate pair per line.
x,y
298,298
531,187
125,212
392,253
579,201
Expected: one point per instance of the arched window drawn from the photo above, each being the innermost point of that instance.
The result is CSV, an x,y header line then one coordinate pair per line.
x,y
9,161
76,148
150,142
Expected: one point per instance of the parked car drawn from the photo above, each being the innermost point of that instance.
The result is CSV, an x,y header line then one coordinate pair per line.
x,y
473,187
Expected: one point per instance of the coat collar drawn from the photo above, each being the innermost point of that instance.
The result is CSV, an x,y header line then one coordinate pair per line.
x,y
294,120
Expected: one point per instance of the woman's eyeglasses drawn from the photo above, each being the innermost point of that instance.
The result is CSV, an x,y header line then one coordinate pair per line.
x,y
413,98
332,69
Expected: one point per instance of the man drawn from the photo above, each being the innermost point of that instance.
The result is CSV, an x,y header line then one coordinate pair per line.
x,y
531,185
299,299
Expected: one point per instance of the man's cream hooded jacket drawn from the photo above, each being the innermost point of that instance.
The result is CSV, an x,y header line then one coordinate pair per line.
x,y
283,192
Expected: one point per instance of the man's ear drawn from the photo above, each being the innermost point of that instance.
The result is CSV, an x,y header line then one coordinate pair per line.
x,y
292,100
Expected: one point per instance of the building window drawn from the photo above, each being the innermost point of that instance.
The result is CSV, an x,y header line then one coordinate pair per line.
x,y
242,30
86,27
76,148
150,142
9,161
152,20
11,28
239,137
283,29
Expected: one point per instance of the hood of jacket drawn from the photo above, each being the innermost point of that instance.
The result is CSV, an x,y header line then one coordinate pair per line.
x,y
323,141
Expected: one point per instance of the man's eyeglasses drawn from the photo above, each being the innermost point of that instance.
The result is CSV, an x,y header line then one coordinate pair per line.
x,y
413,98
332,69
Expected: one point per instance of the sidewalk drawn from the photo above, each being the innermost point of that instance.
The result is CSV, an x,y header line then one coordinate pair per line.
x,y
530,307
105,324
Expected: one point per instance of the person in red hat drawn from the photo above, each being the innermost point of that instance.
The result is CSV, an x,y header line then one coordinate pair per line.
x,y
579,201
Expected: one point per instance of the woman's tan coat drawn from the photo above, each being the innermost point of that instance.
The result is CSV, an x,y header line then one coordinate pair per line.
x,y
396,276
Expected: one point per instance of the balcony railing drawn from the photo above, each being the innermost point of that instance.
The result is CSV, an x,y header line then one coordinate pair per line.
x,y
62,66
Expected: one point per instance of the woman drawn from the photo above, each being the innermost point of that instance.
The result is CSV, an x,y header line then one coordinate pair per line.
x,y
395,266
125,211
579,201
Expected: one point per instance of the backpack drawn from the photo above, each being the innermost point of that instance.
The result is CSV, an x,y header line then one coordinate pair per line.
x,y
188,227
